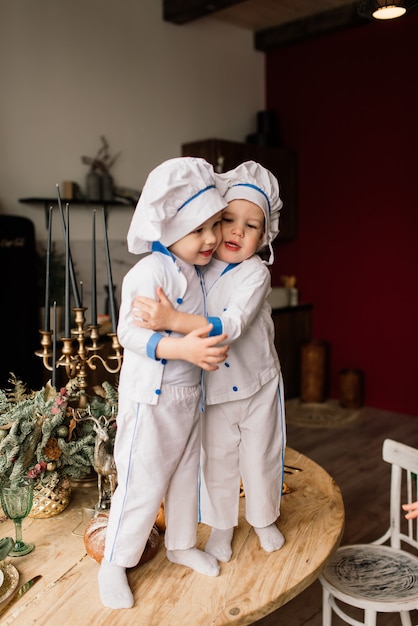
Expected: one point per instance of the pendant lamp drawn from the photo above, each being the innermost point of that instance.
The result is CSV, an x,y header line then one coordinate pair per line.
x,y
385,9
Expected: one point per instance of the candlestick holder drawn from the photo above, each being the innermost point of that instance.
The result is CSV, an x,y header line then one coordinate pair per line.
x,y
81,352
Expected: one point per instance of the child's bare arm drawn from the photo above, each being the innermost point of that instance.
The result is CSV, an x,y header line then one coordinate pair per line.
x,y
195,347
160,315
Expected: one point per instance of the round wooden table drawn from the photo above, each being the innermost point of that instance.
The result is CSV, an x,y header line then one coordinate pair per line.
x,y
249,587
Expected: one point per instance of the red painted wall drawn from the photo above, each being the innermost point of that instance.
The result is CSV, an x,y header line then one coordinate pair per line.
x,y
347,103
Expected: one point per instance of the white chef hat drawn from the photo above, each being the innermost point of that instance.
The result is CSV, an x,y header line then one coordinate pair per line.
x,y
251,181
178,196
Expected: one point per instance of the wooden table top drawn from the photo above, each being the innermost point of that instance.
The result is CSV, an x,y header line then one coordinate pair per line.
x,y
249,587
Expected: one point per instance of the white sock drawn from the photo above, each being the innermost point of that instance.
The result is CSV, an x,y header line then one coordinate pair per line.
x,y
271,539
114,587
219,544
195,559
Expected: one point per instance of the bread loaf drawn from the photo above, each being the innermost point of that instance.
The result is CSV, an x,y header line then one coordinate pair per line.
x,y
95,535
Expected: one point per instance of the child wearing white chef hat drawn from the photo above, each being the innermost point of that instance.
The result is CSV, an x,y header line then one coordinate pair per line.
x,y
157,444
243,431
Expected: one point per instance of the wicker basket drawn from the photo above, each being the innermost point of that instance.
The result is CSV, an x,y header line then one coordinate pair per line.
x,y
49,502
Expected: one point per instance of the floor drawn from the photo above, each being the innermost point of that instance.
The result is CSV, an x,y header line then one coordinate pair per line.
x,y
352,456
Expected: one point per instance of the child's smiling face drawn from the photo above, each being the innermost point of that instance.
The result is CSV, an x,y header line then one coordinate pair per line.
x,y
197,247
242,231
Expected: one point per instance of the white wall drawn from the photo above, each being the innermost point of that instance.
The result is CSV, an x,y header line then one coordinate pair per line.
x,y
71,71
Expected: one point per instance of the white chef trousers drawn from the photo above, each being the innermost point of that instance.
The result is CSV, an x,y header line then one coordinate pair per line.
x,y
156,452
244,439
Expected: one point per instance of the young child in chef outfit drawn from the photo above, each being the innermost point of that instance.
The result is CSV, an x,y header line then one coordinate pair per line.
x,y
243,431
157,444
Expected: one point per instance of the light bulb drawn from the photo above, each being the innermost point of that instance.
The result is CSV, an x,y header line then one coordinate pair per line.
x,y
388,12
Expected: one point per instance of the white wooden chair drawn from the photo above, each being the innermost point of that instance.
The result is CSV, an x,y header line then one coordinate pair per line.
x,y
374,577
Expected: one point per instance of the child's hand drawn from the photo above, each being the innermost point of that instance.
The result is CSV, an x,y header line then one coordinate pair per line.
x,y
204,351
412,509
153,314
195,347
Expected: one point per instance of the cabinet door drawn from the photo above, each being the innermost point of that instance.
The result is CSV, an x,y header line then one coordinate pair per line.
x,y
225,155
293,328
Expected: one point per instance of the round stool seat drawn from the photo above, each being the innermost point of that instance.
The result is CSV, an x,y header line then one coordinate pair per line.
x,y
367,575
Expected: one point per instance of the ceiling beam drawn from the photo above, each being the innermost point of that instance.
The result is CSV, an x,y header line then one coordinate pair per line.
x,y
308,27
183,11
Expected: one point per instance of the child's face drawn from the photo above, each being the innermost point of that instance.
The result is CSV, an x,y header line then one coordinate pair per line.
x,y
197,247
242,231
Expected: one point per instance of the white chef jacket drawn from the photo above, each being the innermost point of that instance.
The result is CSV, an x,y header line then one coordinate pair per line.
x,y
237,305
141,375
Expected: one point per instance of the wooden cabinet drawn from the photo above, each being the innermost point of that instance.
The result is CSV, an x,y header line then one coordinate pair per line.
x,y
281,162
293,327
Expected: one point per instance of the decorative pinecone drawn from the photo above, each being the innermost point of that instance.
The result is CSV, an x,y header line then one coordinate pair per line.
x,y
52,450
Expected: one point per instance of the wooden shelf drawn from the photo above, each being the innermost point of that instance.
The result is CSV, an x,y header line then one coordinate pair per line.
x,y
47,202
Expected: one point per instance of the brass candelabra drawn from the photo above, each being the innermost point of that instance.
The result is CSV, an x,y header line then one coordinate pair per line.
x,y
80,352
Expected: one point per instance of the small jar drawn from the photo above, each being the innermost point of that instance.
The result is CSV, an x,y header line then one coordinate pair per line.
x,y
293,296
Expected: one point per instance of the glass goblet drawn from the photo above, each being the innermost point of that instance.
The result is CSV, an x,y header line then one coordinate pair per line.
x,y
16,501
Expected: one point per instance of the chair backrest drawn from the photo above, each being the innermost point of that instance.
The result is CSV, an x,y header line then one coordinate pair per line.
x,y
403,488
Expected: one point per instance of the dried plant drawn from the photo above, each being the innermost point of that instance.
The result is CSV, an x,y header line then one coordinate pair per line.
x,y
38,428
102,162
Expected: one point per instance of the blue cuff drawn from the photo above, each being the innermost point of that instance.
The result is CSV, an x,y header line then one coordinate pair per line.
x,y
152,345
217,326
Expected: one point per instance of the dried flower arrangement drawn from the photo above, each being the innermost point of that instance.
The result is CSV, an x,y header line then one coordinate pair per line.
x,y
40,437
99,182
102,162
